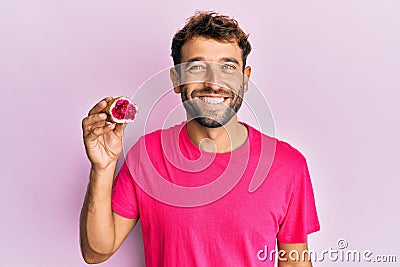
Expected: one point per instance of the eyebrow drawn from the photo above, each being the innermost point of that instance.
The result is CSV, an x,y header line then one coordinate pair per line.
x,y
195,59
224,59
230,59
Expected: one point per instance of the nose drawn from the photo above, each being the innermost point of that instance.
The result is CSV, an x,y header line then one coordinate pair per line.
x,y
212,78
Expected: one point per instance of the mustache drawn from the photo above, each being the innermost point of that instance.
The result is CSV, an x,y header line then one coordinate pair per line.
x,y
208,90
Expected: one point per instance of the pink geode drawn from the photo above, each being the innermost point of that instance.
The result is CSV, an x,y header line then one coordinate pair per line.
x,y
121,110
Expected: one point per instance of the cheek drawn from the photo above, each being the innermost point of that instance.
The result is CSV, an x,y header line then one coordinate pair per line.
x,y
188,89
236,86
185,92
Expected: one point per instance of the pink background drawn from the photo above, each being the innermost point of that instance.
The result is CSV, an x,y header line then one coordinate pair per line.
x,y
329,69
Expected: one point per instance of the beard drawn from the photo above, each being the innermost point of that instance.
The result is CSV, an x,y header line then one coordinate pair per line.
x,y
212,117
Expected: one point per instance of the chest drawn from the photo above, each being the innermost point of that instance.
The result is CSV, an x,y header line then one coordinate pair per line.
x,y
237,214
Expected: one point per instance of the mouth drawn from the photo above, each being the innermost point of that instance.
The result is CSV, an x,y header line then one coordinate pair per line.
x,y
213,99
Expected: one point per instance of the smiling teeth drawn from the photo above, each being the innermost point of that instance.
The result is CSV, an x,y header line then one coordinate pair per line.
x,y
212,100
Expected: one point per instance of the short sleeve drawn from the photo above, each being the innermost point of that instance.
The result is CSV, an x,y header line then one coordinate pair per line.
x,y
124,199
301,217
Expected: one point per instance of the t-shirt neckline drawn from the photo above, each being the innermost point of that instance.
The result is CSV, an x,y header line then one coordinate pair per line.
x,y
240,150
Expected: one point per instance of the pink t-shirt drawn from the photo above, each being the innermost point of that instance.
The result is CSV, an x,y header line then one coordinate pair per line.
x,y
188,220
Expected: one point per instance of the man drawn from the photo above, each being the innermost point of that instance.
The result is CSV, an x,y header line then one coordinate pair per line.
x,y
231,230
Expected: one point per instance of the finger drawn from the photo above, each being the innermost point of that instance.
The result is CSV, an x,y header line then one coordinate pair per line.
x,y
119,129
89,122
100,106
99,124
92,119
93,126
99,131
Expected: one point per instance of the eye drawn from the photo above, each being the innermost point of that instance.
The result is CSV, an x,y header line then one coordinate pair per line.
x,y
229,67
196,67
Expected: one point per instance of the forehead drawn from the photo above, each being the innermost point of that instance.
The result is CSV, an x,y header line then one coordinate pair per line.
x,y
210,50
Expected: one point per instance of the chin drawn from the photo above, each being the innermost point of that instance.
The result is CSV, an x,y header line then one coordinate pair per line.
x,y
208,123
211,123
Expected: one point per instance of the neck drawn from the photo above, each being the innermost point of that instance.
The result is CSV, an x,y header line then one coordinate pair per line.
x,y
218,140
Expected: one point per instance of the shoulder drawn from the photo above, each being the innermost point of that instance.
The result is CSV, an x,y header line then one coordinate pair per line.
x,y
163,134
285,153
148,149
289,164
153,140
289,153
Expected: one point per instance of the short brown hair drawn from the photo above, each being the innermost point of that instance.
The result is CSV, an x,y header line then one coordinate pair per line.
x,y
210,25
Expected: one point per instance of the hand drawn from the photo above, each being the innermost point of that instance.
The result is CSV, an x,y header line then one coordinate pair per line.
x,y
103,142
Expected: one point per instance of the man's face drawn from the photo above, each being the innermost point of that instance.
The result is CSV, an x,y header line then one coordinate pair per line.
x,y
211,82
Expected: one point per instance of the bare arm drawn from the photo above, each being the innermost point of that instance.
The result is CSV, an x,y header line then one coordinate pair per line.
x,y
291,251
101,230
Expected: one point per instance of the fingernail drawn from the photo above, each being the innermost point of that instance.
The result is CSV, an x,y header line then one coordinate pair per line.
x,y
103,116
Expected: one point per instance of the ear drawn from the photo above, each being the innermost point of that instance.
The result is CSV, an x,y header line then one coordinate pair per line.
x,y
174,76
246,78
